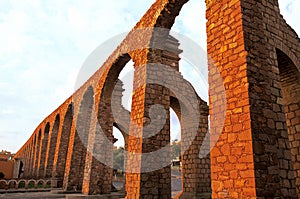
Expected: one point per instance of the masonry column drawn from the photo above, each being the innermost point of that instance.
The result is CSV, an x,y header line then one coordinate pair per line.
x,y
26,162
17,163
78,142
43,149
62,147
37,155
32,156
157,182
246,161
33,172
149,159
49,161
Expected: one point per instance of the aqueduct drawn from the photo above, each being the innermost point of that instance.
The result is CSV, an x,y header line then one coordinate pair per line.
x,y
256,154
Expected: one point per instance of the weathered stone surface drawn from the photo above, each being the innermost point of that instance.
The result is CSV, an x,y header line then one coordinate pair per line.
x,y
253,55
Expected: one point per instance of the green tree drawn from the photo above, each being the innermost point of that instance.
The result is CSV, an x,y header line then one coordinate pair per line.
x,y
175,149
119,158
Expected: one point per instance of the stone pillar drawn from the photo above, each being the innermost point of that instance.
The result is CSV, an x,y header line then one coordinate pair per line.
x,y
38,153
149,175
16,168
43,149
31,169
77,149
35,154
62,147
51,145
27,162
195,157
156,183
98,170
247,160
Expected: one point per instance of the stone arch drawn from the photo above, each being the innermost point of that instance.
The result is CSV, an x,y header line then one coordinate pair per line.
x,y
3,184
281,48
51,148
102,171
78,159
4,181
31,183
165,19
22,183
195,170
120,115
290,91
245,136
47,184
63,144
44,142
40,183
12,184
103,142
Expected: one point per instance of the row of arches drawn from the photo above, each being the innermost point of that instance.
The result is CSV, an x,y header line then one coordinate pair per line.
x,y
255,133
45,152
88,156
25,184
77,148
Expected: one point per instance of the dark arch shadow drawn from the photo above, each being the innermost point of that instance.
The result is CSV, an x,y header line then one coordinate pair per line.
x,y
51,148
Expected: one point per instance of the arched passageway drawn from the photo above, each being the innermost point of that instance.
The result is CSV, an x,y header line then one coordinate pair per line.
x,y
290,90
51,148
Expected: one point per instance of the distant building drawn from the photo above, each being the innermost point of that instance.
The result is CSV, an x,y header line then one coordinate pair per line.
x,y
6,164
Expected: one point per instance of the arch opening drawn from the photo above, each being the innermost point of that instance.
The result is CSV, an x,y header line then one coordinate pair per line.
x,y
118,182
175,142
290,91
193,43
51,147
63,146
110,112
21,169
44,144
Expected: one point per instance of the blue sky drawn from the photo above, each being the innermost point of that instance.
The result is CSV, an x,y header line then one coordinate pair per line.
x,y
43,45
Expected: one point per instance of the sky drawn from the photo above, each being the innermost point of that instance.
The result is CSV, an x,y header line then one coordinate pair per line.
x,y
43,45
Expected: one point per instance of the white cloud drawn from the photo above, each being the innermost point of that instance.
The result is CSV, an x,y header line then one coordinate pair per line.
x,y
290,11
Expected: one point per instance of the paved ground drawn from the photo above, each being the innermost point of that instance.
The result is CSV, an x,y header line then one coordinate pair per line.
x,y
41,195
176,182
176,188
